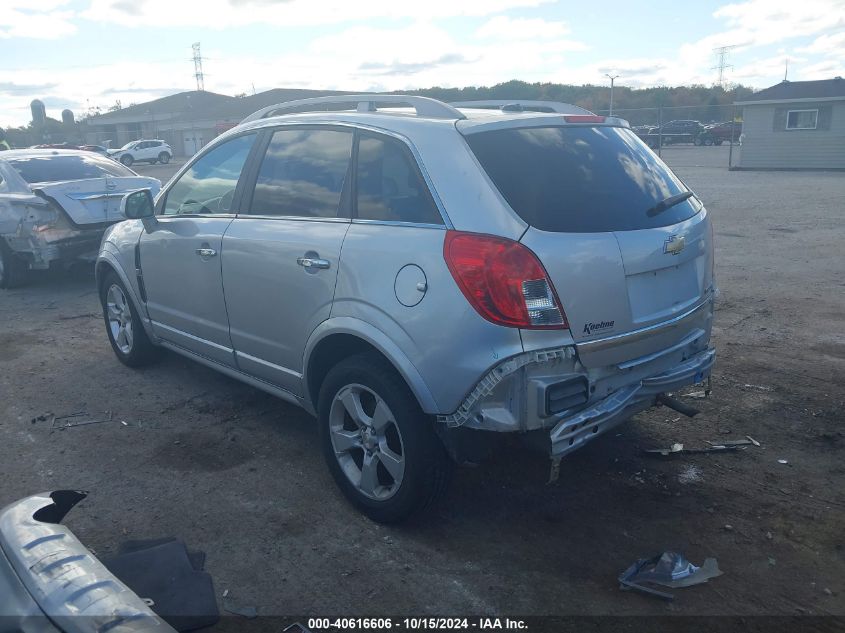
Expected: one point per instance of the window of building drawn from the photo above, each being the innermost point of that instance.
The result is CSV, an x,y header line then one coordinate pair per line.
x,y
802,119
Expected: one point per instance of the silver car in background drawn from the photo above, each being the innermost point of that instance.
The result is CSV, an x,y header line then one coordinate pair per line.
x,y
55,205
423,278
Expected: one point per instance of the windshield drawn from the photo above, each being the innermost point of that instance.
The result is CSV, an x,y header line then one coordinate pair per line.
x,y
129,144
56,168
580,179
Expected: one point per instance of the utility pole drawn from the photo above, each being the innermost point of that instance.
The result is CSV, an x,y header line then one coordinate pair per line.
x,y
198,67
722,64
612,79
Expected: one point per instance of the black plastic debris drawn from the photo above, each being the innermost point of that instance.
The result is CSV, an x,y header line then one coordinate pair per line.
x,y
170,579
668,569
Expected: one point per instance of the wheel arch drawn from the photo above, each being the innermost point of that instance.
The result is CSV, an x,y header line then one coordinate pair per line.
x,y
342,337
106,263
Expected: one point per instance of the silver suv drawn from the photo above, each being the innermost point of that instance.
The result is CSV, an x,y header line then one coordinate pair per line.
x,y
423,279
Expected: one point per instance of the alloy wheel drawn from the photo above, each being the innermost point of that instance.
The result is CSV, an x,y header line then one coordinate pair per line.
x,y
367,442
120,318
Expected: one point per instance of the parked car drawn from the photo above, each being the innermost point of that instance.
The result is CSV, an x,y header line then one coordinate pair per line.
x,y
51,583
680,131
718,133
144,151
99,149
55,206
422,283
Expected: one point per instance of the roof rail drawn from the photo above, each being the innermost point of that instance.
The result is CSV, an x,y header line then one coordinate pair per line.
x,y
519,105
365,103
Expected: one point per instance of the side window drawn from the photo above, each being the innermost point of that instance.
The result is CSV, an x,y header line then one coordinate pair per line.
x,y
389,185
303,173
209,185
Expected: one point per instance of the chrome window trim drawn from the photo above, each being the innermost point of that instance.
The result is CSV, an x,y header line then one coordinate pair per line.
x,y
636,335
419,225
305,218
176,216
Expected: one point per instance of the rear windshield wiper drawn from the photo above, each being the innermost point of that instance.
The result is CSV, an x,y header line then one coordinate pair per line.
x,y
669,202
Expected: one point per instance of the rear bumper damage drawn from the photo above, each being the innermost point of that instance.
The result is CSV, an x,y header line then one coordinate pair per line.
x,y
40,248
571,432
50,582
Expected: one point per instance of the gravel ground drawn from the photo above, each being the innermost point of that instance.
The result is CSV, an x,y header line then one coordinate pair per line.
x,y
238,474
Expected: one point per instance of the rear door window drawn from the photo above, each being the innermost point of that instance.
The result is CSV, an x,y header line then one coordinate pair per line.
x,y
58,168
580,179
303,173
389,184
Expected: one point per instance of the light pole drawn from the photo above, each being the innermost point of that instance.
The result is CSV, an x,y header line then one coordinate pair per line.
x,y
612,78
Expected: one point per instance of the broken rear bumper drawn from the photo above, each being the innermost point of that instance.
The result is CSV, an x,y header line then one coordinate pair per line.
x,y
571,432
50,582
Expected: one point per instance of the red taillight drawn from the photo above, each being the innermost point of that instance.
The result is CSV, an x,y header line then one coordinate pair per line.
x,y
583,118
503,280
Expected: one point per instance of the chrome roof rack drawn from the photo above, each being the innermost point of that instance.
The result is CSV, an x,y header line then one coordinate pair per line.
x,y
522,105
424,106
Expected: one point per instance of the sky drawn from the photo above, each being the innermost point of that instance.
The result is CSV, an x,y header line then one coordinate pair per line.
x,y
81,54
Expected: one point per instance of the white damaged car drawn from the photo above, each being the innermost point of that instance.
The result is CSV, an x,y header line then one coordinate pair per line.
x,y
55,205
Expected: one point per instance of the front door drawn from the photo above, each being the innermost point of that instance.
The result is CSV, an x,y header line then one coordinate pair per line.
x,y
181,252
281,254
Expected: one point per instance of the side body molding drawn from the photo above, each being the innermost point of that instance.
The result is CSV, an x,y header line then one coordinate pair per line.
x,y
379,340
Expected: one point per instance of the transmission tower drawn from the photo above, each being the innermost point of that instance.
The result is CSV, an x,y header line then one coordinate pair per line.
x,y
722,65
198,67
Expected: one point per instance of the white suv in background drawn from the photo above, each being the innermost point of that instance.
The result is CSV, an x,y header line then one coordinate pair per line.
x,y
151,151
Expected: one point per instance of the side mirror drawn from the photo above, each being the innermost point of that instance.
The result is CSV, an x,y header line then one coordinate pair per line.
x,y
137,205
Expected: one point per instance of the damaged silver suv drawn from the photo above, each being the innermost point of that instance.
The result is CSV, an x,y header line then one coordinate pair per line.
x,y
421,277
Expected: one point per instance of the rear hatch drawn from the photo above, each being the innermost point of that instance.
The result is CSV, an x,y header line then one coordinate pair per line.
x,y
619,261
88,187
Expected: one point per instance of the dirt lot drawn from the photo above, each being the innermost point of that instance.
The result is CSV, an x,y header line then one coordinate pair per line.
x,y
238,474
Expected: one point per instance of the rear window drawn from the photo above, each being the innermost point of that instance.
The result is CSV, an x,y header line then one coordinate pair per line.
x,y
55,168
580,179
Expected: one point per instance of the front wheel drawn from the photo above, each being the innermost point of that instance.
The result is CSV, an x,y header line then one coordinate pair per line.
x,y
164,158
127,160
380,447
126,333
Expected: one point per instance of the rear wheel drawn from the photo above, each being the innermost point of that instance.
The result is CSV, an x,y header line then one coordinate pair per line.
x,y
697,141
380,447
127,160
13,269
708,141
718,141
164,158
126,333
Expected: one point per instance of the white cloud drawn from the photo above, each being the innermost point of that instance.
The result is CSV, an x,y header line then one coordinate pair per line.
x,y
220,14
38,19
502,27
829,44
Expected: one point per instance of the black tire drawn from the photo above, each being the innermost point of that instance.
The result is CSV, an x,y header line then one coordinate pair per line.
x,y
164,158
708,141
127,160
697,141
427,467
14,271
718,141
141,350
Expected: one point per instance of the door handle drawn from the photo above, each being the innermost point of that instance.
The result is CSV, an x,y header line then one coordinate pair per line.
x,y
206,252
310,262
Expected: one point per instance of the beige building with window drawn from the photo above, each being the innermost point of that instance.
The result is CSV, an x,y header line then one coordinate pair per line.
x,y
795,125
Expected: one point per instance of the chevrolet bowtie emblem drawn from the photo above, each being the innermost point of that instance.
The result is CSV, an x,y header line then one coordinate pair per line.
x,y
674,244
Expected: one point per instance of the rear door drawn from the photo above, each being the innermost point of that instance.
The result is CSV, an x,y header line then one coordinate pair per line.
x,y
590,195
181,252
281,254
